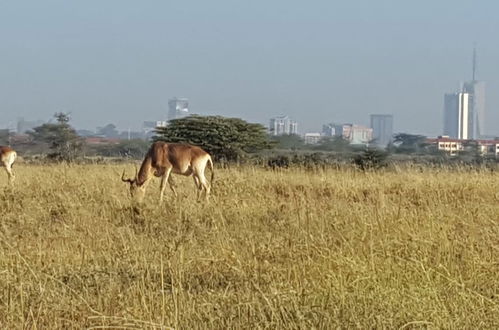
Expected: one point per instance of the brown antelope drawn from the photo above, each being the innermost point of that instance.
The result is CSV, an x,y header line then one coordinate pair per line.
x,y
7,158
164,158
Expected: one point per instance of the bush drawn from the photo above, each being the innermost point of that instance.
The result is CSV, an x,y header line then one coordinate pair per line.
x,y
371,159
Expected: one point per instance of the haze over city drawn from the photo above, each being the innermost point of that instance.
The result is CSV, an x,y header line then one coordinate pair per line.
x,y
120,61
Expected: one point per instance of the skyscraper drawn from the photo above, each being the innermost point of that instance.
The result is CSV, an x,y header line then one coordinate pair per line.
x,y
382,126
178,108
457,122
464,111
282,125
476,90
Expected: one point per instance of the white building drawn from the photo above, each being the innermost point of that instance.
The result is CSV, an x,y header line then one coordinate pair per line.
x,y
178,108
355,134
312,138
454,146
282,125
457,123
149,126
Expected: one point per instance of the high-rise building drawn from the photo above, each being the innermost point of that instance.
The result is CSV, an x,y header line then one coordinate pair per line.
x,y
382,126
457,115
329,129
476,90
464,111
282,125
178,108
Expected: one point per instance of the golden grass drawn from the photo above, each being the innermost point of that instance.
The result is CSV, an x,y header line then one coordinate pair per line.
x,y
291,249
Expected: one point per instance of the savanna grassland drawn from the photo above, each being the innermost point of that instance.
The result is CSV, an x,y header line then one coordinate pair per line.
x,y
411,248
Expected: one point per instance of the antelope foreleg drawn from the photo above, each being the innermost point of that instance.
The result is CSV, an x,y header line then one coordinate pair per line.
x,y
10,173
162,186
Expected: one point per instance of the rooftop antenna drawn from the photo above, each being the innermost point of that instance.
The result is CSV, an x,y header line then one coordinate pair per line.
x,y
474,61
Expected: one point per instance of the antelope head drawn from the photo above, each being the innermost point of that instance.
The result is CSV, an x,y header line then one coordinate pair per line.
x,y
136,191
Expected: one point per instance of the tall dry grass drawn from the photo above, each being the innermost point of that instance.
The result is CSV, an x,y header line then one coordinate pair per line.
x,y
291,249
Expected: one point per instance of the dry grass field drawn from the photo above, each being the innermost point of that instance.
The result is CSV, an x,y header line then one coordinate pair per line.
x,y
417,248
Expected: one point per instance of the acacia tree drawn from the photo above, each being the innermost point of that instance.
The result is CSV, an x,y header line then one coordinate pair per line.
x,y
224,138
409,143
64,143
333,143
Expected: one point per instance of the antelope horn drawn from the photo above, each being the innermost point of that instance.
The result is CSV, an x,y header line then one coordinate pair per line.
x,y
125,180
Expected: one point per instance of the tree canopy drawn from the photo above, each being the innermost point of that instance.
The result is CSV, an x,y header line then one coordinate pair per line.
x,y
64,143
409,143
108,131
288,141
224,138
333,143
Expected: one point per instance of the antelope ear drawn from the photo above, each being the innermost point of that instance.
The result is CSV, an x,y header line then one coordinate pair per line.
x,y
136,172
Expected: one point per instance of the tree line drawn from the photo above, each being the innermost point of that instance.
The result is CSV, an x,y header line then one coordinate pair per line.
x,y
233,140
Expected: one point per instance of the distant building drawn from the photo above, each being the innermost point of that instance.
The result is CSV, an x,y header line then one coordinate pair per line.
x,y
457,124
382,126
329,129
178,108
355,134
464,111
476,91
148,126
312,138
360,134
282,125
455,146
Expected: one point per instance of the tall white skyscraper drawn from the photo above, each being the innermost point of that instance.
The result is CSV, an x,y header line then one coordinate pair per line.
x,y
476,90
457,123
178,108
464,111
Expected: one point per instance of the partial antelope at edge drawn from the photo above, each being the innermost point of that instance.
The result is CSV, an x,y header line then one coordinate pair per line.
x,y
7,158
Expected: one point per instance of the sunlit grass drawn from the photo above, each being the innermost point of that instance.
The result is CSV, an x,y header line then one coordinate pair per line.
x,y
290,249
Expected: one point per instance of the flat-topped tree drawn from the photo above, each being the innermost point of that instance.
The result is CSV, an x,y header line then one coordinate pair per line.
x,y
224,138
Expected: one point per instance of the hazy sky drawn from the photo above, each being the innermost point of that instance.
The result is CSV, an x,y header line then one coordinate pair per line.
x,y
119,61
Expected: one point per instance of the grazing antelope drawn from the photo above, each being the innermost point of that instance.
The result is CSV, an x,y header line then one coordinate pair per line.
x,y
7,159
164,158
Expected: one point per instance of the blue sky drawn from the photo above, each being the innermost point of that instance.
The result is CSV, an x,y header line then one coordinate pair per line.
x,y
119,61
